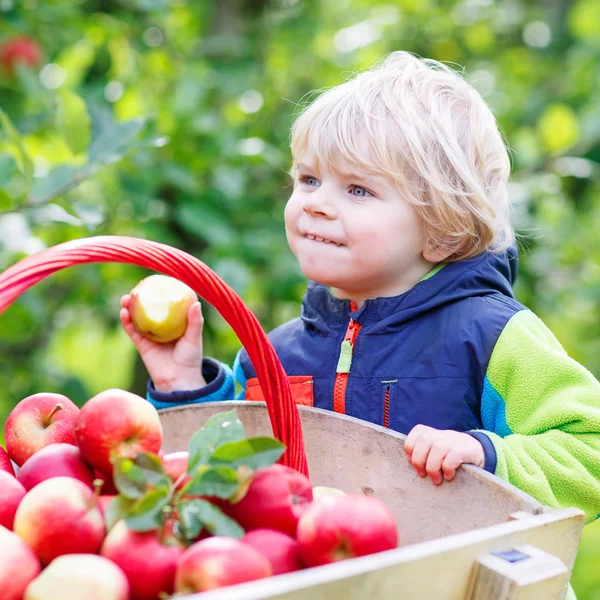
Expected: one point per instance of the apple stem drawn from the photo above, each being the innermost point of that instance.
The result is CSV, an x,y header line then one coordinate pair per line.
x,y
58,407
98,483
163,529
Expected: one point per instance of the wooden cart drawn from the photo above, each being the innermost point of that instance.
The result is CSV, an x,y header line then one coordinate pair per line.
x,y
474,538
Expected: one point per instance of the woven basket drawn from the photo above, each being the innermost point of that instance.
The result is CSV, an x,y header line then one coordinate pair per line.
x,y
283,413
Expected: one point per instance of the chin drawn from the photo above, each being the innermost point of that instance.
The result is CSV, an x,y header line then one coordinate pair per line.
x,y
323,276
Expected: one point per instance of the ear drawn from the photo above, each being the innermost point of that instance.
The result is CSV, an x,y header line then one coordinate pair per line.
x,y
434,253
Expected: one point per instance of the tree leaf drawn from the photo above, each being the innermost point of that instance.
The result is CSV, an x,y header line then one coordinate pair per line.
x,y
52,185
208,222
7,168
128,478
198,514
6,202
73,121
148,513
117,510
134,477
255,453
150,462
13,135
153,469
220,429
221,482
114,140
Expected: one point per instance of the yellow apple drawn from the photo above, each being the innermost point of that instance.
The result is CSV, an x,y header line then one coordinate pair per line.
x,y
159,307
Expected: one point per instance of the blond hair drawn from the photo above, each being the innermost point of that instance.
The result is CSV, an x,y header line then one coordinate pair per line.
x,y
429,131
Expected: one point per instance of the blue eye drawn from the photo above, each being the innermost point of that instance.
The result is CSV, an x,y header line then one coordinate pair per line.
x,y
308,180
359,191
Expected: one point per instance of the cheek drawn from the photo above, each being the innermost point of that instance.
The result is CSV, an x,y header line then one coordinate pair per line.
x,y
292,211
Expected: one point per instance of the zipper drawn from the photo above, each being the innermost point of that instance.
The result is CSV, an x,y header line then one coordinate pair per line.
x,y
386,407
344,364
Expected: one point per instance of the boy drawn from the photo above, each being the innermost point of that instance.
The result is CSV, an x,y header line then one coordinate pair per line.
x,y
399,219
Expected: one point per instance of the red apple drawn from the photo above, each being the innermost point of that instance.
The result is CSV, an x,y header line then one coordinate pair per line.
x,y
60,516
55,460
18,565
276,498
219,561
11,494
116,423
338,527
78,576
108,487
147,563
38,421
20,49
5,464
176,464
278,547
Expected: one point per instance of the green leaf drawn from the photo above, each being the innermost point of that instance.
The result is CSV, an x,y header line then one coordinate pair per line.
x,y
54,184
218,430
255,453
73,121
129,478
200,514
6,202
221,482
15,138
7,168
208,222
148,513
134,477
30,81
117,510
114,141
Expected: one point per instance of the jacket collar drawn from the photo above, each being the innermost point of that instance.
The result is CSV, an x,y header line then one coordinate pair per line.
x,y
485,274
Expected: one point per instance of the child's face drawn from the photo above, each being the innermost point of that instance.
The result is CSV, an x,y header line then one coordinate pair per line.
x,y
371,239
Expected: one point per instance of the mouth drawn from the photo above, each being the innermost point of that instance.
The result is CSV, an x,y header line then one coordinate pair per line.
x,y
316,238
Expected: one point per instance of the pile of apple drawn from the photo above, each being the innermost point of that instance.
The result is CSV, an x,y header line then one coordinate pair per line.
x,y
95,505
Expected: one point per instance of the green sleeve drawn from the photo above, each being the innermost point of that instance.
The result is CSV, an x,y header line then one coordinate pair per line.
x,y
541,410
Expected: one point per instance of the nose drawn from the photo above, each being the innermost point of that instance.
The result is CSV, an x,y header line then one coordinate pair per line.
x,y
318,203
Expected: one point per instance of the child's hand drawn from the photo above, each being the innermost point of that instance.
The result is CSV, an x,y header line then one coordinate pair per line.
x,y
438,453
176,365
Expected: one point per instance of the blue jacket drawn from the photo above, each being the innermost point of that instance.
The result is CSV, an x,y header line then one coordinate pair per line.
x,y
420,357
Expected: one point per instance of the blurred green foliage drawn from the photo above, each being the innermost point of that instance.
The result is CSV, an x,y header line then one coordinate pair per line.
x,y
169,120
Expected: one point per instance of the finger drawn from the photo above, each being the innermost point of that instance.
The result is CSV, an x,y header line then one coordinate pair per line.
x,y
125,301
193,332
435,459
451,463
126,320
412,437
420,454
131,331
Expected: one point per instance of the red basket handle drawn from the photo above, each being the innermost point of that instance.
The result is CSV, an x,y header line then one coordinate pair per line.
x,y
283,412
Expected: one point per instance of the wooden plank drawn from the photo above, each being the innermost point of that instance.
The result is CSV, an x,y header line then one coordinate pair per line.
x,y
434,570
523,573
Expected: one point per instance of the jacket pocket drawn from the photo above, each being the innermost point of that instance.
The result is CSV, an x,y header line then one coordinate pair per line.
x,y
302,390
439,402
